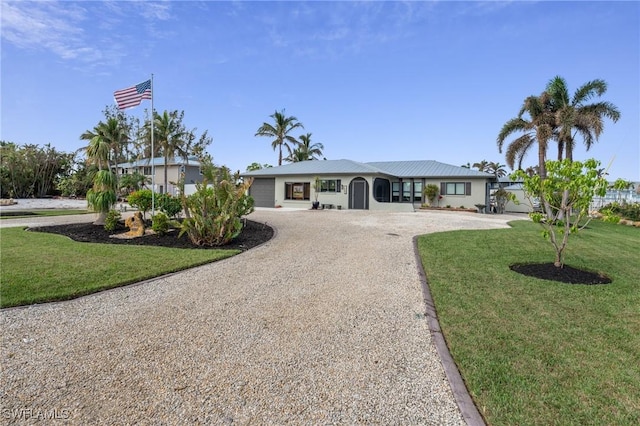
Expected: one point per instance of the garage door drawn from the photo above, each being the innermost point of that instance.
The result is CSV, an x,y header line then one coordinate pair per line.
x,y
263,191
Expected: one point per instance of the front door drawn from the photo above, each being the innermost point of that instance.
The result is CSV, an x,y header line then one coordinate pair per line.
x,y
359,194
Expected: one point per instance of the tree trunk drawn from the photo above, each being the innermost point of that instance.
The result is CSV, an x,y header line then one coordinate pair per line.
x,y
101,217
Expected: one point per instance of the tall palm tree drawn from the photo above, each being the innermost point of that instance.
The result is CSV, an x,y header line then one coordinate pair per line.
x,y
280,132
306,150
170,137
538,128
575,116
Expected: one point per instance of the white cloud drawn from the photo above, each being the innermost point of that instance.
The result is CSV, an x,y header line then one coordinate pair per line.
x,y
87,34
47,25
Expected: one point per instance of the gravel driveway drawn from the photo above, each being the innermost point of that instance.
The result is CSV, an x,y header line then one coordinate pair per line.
x,y
322,325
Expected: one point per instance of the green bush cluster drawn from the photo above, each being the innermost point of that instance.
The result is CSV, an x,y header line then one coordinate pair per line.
x,y
169,204
160,223
112,219
214,211
141,200
629,211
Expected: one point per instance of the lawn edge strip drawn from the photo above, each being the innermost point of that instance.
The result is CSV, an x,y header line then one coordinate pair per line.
x,y
128,283
461,394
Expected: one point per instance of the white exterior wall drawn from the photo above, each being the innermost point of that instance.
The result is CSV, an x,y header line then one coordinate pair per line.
x,y
524,205
478,193
336,198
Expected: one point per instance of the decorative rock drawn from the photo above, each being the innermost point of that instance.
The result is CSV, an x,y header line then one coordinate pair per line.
x,y
135,225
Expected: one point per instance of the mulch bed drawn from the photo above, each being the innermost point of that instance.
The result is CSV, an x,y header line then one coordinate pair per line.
x,y
252,235
566,274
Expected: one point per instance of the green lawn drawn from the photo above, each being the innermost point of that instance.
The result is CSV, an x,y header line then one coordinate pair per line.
x,y
536,352
38,213
39,267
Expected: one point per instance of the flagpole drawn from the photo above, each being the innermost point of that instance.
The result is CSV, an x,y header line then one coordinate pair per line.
x,y
153,159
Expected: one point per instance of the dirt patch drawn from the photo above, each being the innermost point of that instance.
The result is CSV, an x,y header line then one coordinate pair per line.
x,y
566,274
252,235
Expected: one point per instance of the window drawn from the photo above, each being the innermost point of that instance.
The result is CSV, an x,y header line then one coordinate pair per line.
x,y
406,191
455,188
395,191
333,185
382,190
146,171
297,190
417,191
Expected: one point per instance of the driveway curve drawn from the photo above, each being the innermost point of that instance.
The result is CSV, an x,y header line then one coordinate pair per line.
x,y
324,324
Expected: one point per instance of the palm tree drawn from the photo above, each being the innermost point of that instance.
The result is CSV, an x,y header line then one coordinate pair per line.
x,y
102,196
576,116
532,170
306,150
539,128
496,169
114,138
280,131
171,137
481,166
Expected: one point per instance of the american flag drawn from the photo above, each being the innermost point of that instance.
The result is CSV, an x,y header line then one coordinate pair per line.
x,y
132,96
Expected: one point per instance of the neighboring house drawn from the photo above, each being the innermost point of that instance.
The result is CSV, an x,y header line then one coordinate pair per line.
x,y
177,168
524,204
387,185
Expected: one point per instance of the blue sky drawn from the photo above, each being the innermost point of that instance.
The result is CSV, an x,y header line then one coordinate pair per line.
x,y
372,81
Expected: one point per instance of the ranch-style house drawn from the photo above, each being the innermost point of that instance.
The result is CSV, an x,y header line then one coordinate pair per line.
x,y
385,185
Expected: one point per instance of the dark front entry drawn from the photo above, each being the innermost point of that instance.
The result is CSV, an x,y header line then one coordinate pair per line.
x,y
359,194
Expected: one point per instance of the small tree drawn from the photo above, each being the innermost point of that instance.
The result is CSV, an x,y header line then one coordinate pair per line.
x,y
567,189
141,200
431,193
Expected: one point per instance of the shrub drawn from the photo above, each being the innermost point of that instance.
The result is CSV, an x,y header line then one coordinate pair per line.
x,y
630,211
111,221
169,204
141,200
214,211
431,192
609,216
160,223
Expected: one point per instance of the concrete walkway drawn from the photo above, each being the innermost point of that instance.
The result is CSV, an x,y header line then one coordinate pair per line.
x,y
323,324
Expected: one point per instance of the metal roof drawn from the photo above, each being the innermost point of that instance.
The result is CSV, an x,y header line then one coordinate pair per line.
x,y
159,161
401,169
316,167
426,168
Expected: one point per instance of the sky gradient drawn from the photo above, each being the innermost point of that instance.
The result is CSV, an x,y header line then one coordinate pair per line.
x,y
372,81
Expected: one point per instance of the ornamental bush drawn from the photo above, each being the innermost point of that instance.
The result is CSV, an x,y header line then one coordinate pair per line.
x,y
141,200
111,221
160,223
214,211
169,204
